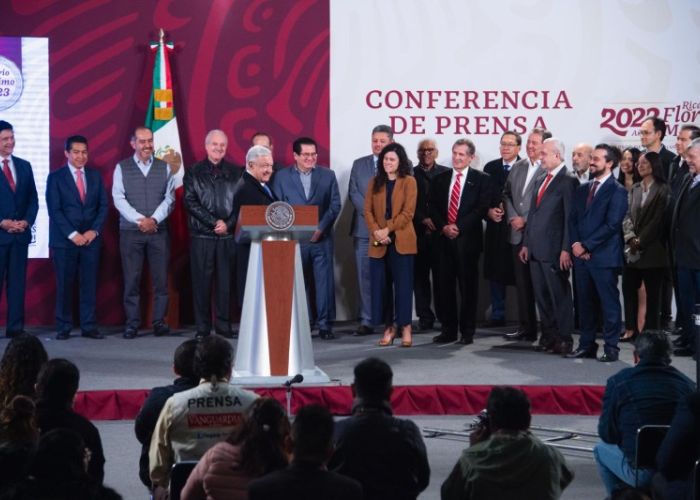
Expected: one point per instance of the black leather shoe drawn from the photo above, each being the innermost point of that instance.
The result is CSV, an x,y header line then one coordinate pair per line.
x,y
92,334
362,331
494,323
520,335
583,353
129,333
465,340
545,345
444,338
683,352
326,334
608,357
563,348
161,329
62,335
680,342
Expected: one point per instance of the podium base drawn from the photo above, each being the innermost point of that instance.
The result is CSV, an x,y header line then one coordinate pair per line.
x,y
315,376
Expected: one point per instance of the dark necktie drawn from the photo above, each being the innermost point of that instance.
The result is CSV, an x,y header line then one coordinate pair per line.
x,y
591,193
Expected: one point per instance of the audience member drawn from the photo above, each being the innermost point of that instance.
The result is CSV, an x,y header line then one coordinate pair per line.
x,y
209,188
425,263
679,451
498,259
143,190
19,204
384,453
595,237
363,170
646,394
18,438
307,477
193,421
56,387
23,358
389,206
548,256
145,423
256,447
505,461
319,188
518,198
645,250
458,213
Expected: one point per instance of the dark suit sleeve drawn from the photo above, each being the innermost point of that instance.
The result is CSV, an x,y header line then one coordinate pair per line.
x,y
101,214
192,204
567,199
653,230
612,225
679,448
434,199
328,219
33,205
54,207
574,217
357,197
474,217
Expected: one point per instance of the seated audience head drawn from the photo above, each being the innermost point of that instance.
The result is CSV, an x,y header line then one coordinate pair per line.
x,y
262,436
652,346
373,380
312,435
630,494
183,359
61,457
23,358
57,383
508,410
213,358
18,422
650,164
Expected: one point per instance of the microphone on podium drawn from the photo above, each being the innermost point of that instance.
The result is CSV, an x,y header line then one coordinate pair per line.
x,y
298,378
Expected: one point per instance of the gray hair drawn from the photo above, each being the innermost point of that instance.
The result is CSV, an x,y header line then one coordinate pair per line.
x,y
466,142
211,133
694,144
256,152
558,146
384,129
653,345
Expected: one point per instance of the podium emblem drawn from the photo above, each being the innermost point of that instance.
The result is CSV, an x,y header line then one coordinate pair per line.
x,y
279,215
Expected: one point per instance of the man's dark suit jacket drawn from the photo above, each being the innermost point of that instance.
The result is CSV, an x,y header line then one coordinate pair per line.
x,y
302,481
547,229
66,212
598,227
249,191
22,204
667,157
472,208
685,231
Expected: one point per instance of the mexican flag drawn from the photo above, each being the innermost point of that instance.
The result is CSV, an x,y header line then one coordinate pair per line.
x,y
161,119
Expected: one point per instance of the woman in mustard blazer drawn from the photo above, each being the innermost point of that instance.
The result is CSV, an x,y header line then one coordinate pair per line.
x,y
389,206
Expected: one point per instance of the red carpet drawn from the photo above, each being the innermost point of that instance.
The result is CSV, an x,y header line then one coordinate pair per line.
x,y
406,400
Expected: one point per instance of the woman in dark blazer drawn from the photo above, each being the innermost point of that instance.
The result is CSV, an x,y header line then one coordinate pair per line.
x,y
389,206
646,253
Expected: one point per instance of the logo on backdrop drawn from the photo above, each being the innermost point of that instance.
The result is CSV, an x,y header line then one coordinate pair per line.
x,y
466,112
625,119
11,83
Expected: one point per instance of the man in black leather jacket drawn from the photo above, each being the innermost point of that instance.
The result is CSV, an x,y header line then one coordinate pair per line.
x,y
209,189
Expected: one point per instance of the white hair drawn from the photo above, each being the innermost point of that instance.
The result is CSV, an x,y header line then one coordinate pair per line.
x,y
558,145
256,152
211,133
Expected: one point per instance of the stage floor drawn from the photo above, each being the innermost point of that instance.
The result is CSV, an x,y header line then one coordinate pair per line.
x,y
118,364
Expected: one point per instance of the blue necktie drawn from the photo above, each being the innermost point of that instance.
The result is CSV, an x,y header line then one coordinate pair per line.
x,y
267,190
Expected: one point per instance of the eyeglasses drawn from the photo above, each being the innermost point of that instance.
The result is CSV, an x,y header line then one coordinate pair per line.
x,y
426,150
308,155
509,144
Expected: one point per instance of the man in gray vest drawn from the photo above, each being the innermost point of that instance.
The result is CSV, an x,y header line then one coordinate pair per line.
x,y
143,192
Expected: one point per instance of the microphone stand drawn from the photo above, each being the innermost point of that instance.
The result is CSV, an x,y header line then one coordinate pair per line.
x,y
288,388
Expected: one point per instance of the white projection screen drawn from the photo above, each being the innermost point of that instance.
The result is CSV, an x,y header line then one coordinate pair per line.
x,y
24,102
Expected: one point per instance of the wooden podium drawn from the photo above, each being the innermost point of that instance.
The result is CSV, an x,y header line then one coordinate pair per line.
x,y
274,339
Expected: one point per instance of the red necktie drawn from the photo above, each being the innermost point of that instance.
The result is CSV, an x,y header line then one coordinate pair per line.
x,y
8,173
454,200
591,193
81,185
540,194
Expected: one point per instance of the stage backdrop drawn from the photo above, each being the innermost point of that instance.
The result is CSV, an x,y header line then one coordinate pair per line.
x,y
240,66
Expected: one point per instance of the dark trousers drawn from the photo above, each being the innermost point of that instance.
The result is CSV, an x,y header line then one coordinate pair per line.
x,y
526,295
399,286
134,247
458,269
553,295
13,273
425,264
600,282
632,279
81,263
666,298
317,260
689,288
211,260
